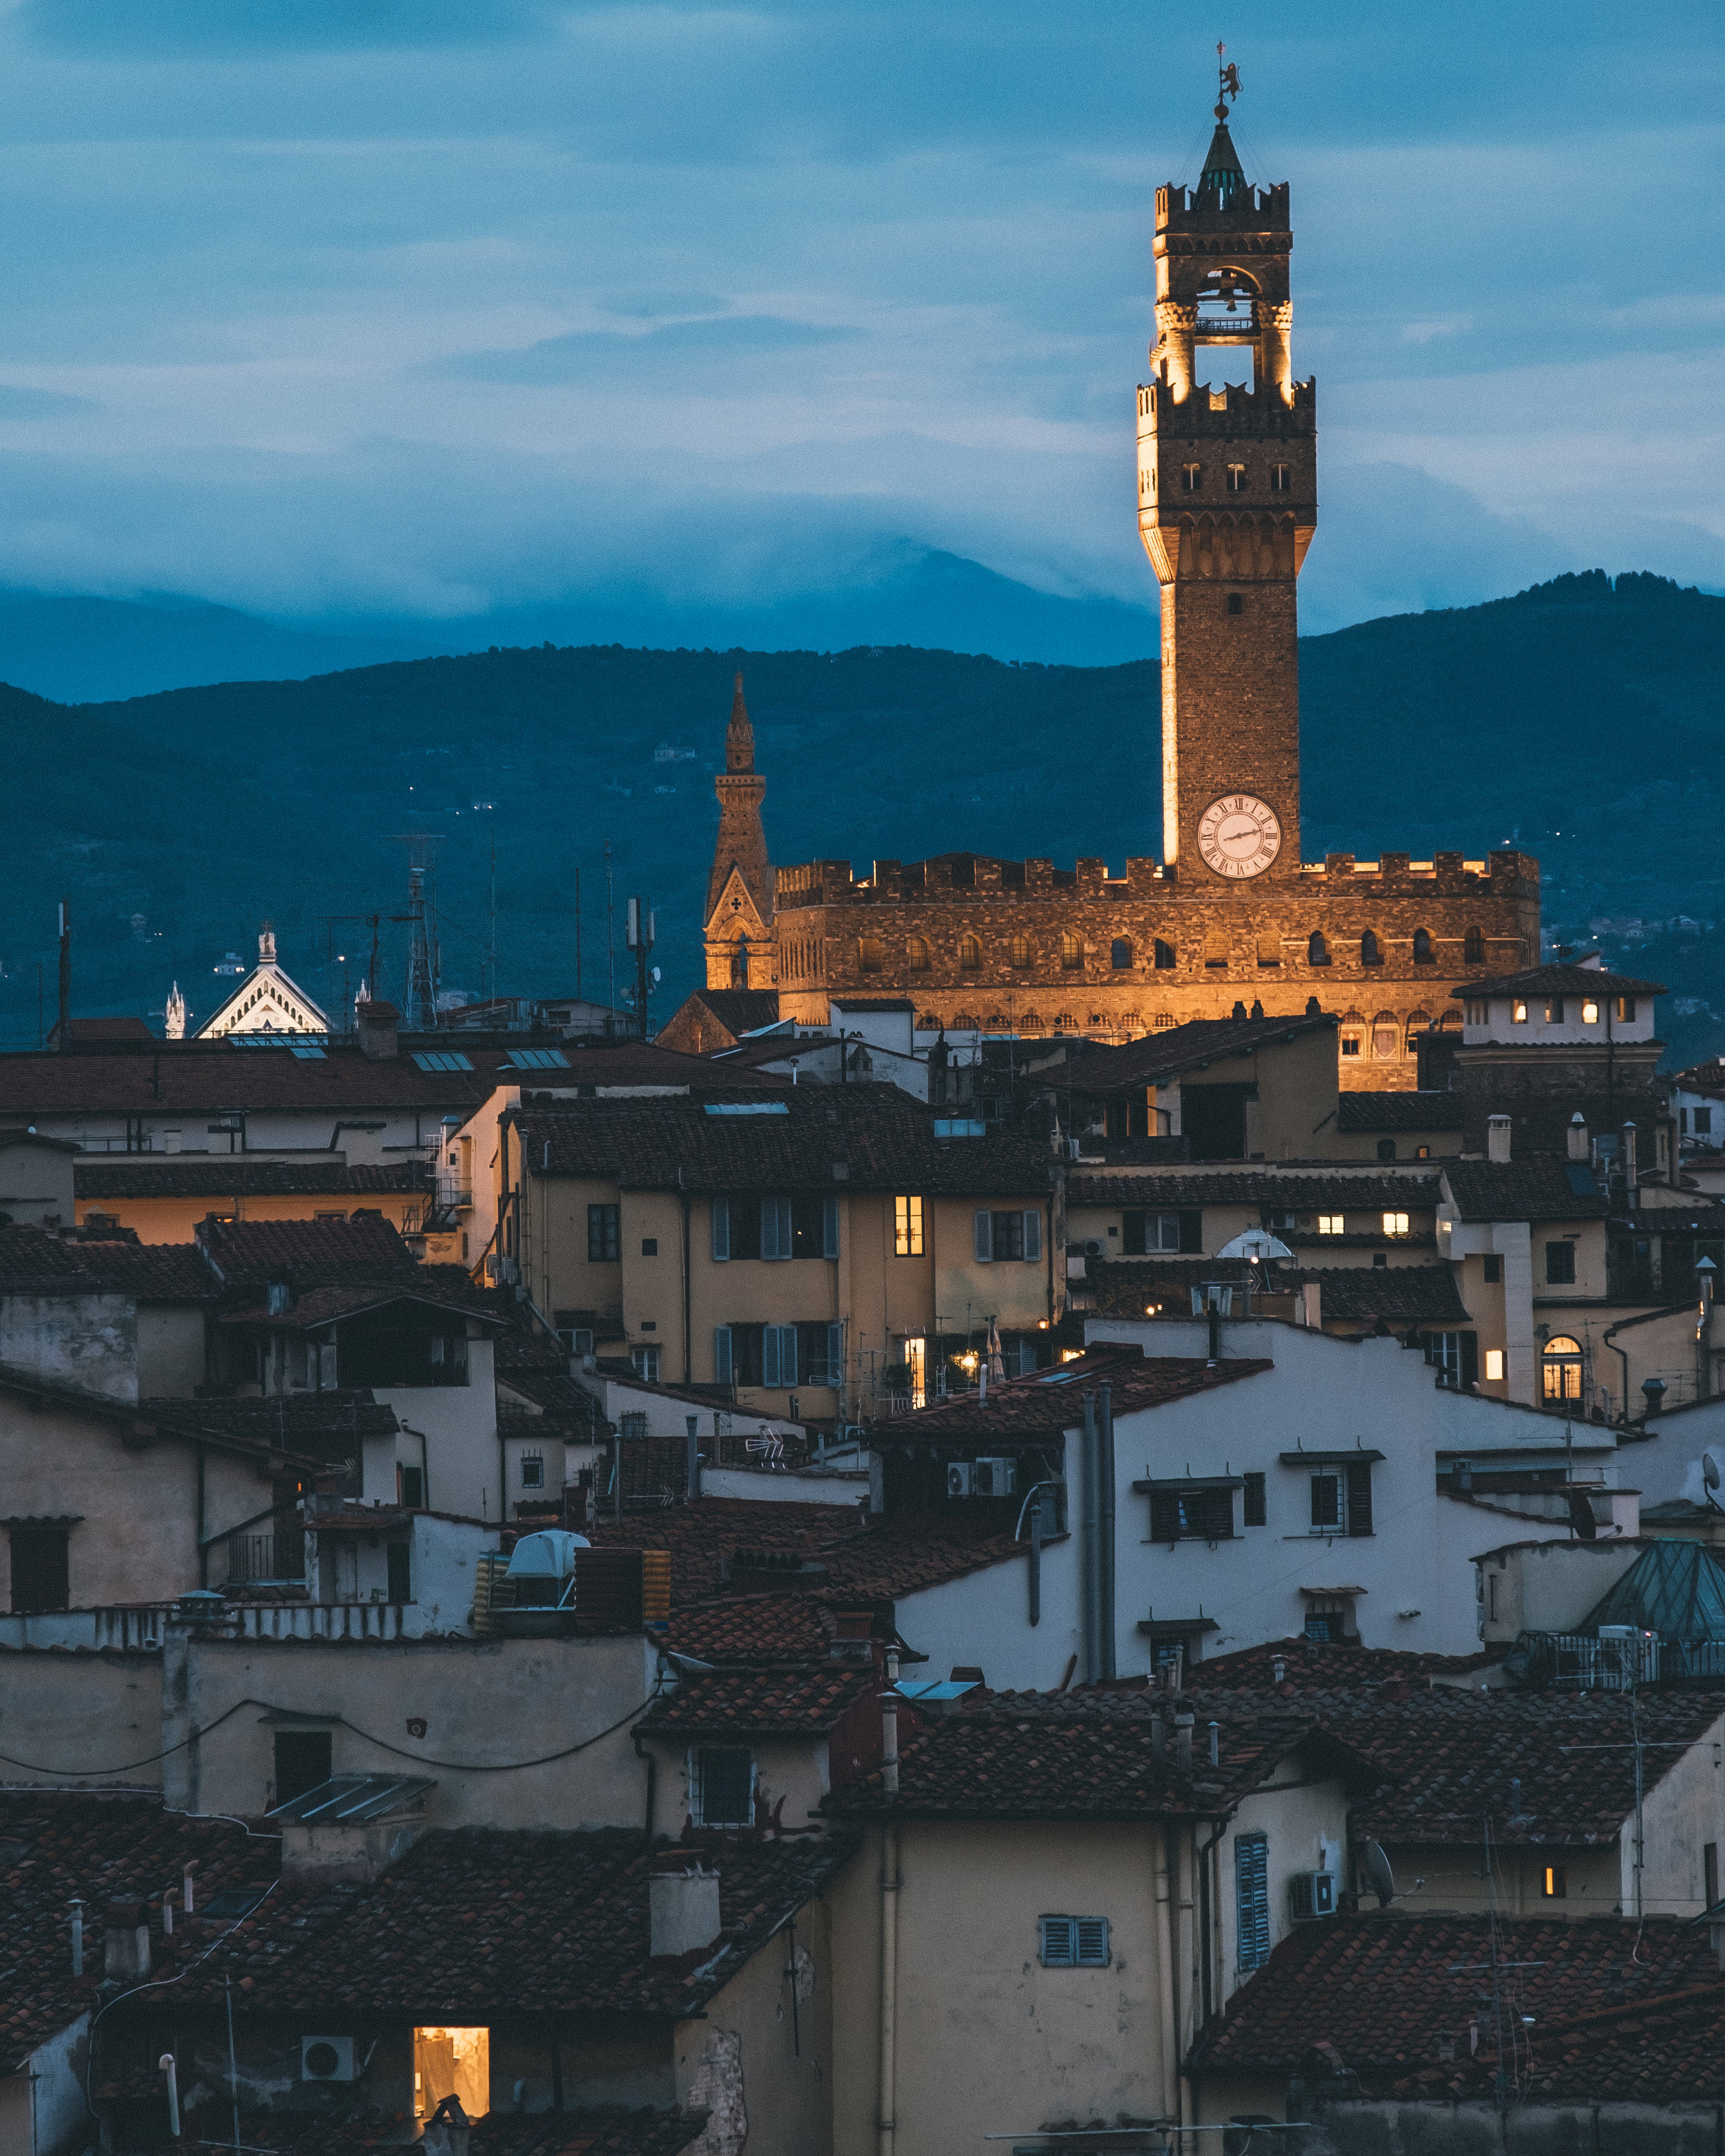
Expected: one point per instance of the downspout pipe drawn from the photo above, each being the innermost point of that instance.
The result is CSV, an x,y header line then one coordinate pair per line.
x,y
1105,1533
1088,1537
886,2125
1607,1340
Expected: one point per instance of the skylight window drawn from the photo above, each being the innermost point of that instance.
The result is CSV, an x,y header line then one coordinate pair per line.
x,y
441,1059
537,1058
746,1108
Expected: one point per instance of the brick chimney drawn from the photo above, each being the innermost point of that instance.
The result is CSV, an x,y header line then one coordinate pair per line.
x,y
1577,1136
377,1025
683,1907
125,1956
1497,1138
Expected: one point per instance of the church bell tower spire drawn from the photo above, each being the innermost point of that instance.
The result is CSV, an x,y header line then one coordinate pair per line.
x,y
739,893
1227,505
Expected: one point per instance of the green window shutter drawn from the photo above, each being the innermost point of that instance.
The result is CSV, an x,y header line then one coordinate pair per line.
x,y
1032,1234
984,1238
721,1229
722,1354
1252,1886
1359,1497
829,1228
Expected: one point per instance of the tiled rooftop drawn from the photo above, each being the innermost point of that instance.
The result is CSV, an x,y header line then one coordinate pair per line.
x,y
1376,1994
1400,1294
752,1628
761,1703
1084,1754
163,1080
881,1138
1052,1400
1165,1054
100,1848
1541,1188
478,1925
1560,979
1380,1114
317,1253
601,2130
1290,1189
240,1175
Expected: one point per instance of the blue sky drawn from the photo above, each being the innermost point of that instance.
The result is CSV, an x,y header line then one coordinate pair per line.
x,y
343,307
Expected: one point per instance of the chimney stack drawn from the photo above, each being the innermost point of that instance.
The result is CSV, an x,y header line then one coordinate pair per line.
x,y
446,2131
889,1726
1497,1138
1159,1737
1182,1740
378,1025
127,1954
1629,1162
683,1911
1577,1136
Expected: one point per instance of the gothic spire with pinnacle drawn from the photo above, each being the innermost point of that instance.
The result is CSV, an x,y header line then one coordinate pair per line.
x,y
739,735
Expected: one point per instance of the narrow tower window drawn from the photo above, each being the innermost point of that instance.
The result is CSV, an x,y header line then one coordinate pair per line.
x,y
1371,950
1120,954
1071,953
1236,479
1236,602
1424,955
1278,479
970,954
1164,956
916,955
1317,952
868,953
1192,478
1473,947
1021,953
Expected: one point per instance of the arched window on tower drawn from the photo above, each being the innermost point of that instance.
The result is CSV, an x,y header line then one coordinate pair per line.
x,y
1120,954
1317,952
1353,1032
1424,955
1371,950
1473,947
970,954
1164,956
1419,1023
916,954
1386,1037
1071,952
1021,951
869,953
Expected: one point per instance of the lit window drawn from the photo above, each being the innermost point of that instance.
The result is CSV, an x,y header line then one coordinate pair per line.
x,y
907,1227
1278,479
1331,1223
1191,479
1518,1013
1555,1889
1021,951
869,954
1395,1224
1236,479
1589,1012
1560,1370
1494,1366
1071,953
916,955
970,954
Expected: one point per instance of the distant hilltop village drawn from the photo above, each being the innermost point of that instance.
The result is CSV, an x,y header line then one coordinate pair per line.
x,y
1230,918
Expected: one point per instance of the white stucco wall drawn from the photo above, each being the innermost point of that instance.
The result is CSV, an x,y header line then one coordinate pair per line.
x,y
71,1718
982,1621
459,1424
89,1342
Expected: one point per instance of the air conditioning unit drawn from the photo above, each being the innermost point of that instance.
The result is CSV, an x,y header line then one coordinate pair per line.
x,y
1312,1894
960,1478
326,2058
995,1478
1095,1247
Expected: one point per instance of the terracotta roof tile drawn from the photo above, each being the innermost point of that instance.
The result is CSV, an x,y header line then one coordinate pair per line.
x,y
1096,1069
1662,2049
762,1702
1543,1188
1379,1114
240,1175
1380,1990
1400,1294
309,1253
477,1925
162,1079
1287,1191
1559,980
595,2130
1049,1400
752,1628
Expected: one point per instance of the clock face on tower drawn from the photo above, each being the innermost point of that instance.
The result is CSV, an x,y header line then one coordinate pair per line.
x,y
1239,835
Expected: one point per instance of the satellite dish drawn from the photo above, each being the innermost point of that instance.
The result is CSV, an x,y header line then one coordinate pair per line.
x,y
1378,1873
1255,1243
1711,1473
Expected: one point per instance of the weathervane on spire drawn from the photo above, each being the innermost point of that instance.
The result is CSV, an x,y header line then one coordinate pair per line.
x,y
1230,75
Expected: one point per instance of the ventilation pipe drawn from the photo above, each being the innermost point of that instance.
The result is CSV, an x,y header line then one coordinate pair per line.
x,y
1105,1534
692,1488
1089,1536
1158,1737
1182,1740
171,2076
1630,1193
1577,1136
77,1937
1497,1138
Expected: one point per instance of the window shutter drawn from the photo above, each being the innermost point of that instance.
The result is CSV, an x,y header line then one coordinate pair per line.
x,y
1060,1945
1192,1235
1132,1235
788,1355
769,1355
829,1228
721,1355
1092,1942
835,1352
1251,1882
984,1238
722,1230
1470,1358
1359,1497
775,1227
1033,1233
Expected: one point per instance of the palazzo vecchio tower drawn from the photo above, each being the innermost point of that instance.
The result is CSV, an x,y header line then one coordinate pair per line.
x,y
1231,920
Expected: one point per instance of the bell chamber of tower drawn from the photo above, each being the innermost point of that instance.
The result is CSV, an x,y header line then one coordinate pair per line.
x,y
1231,919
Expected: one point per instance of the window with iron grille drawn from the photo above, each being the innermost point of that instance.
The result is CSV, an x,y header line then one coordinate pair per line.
x,y
721,1785
1252,1890
1073,1941
1187,1516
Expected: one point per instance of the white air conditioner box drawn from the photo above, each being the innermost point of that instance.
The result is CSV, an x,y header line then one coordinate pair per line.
x,y
996,1478
326,2058
1095,1247
960,1478
1312,1894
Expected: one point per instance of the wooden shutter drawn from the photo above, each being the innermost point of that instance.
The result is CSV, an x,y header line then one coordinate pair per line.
x,y
1470,1359
1253,1511
721,1352
1192,1235
1059,1943
1359,1497
1252,1886
829,1228
721,1231
769,1355
984,1238
1033,1233
1093,1941
776,1230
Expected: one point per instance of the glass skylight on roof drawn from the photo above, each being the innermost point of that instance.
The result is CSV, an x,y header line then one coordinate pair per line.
x,y
301,1045
746,1108
537,1058
441,1059
307,1051
960,1127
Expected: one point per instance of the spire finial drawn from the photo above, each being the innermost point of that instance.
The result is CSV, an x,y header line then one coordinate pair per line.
x,y
739,735
1230,75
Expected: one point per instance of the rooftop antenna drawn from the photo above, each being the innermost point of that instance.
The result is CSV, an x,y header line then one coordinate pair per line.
x,y
420,1002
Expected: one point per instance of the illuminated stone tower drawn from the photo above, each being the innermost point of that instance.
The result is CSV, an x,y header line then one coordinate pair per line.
x,y
1227,503
739,892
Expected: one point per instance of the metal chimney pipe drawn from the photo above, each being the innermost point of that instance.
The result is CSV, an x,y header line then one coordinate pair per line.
x,y
1182,1740
692,1486
889,1726
1158,1735
1215,1744
167,2064
65,1025
77,1936
1105,1534
1088,1538
186,1902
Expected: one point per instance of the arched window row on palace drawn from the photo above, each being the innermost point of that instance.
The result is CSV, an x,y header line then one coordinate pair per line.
x,y
1124,955
1386,1036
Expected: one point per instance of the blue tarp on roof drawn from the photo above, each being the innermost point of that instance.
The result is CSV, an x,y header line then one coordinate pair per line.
x,y
1675,1588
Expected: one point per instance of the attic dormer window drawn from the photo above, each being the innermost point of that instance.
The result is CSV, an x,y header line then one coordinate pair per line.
x,y
278,1298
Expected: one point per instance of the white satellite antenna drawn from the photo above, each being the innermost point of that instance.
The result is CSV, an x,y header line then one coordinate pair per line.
x,y
1712,1472
1257,1244
1379,1874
